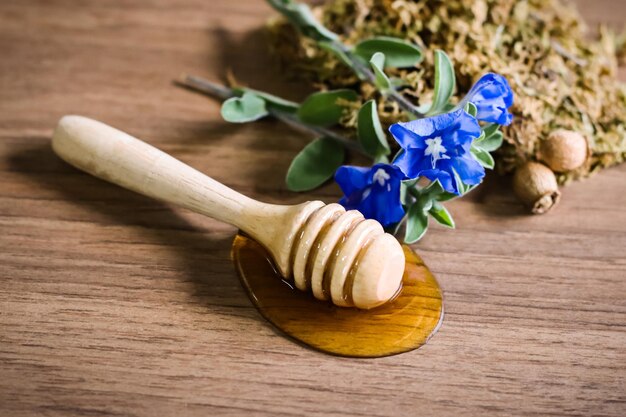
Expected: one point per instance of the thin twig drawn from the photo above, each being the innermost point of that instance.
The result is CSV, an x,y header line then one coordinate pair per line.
x,y
202,85
205,86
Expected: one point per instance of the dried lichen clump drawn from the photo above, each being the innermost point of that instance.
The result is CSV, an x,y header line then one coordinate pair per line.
x,y
561,79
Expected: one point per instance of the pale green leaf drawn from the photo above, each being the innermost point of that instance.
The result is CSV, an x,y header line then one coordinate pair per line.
x,y
471,109
460,185
323,108
370,132
483,157
398,52
445,82
490,143
381,159
301,16
416,224
446,196
490,129
271,101
441,215
382,81
246,108
315,164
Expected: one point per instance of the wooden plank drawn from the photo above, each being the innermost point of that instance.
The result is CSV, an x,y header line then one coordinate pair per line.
x,y
113,304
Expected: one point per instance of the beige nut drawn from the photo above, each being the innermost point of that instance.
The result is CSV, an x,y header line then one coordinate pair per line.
x,y
564,150
535,185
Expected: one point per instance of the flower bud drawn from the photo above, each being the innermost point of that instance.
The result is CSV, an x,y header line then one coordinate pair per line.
x,y
563,150
535,185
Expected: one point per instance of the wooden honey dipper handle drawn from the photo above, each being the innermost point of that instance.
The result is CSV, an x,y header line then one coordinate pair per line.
x,y
117,157
288,232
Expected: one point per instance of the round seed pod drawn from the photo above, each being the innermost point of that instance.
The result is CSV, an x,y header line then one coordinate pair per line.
x,y
535,185
564,150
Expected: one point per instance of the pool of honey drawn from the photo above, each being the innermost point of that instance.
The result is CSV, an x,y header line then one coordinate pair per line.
x,y
403,324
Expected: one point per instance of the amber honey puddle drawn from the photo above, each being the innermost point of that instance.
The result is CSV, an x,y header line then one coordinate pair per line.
x,y
401,325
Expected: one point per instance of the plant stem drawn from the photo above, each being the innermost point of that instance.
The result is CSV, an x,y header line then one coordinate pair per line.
x,y
364,71
205,86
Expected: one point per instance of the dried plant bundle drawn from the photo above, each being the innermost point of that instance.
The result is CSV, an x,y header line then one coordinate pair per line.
x,y
562,79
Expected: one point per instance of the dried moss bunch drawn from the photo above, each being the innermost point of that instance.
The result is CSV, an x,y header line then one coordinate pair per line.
x,y
562,80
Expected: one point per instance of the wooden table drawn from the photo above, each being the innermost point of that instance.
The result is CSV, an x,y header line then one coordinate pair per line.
x,y
113,304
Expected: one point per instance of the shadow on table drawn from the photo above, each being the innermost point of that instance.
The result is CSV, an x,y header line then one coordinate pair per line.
x,y
204,260
248,58
495,198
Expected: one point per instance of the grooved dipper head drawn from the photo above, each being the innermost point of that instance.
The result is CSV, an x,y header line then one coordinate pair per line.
x,y
378,274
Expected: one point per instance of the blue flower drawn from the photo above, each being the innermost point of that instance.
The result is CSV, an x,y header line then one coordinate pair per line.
x,y
375,191
438,148
492,96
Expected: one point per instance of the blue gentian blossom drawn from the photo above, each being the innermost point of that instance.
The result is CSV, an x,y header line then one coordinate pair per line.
x,y
374,191
438,147
492,96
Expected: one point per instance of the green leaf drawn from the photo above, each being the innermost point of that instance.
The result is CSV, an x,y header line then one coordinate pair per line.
x,y
490,129
246,108
382,81
271,101
489,143
398,52
425,202
416,224
446,196
424,108
441,215
460,185
424,196
381,159
411,182
322,109
370,132
471,109
404,193
482,156
470,188
445,82
406,196
378,60
436,190
301,16
315,164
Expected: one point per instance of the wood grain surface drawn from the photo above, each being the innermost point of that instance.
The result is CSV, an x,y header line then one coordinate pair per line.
x,y
113,304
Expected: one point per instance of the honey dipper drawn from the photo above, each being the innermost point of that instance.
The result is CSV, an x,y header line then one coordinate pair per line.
x,y
335,253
